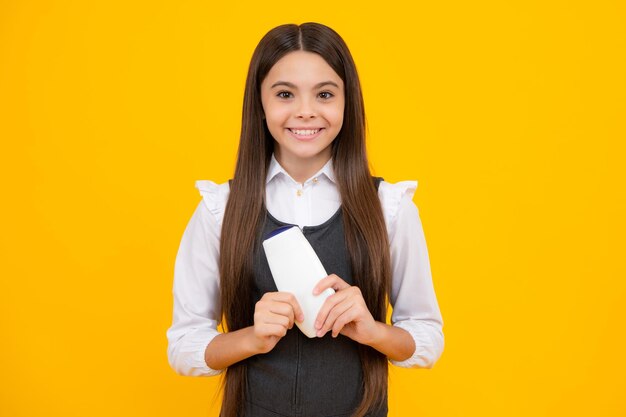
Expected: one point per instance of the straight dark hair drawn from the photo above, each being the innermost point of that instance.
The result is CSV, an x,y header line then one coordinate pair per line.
x,y
365,230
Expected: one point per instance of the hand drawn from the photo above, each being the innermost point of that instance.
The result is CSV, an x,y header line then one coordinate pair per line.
x,y
344,312
274,314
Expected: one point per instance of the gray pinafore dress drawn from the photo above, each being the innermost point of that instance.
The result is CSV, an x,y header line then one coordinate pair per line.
x,y
302,377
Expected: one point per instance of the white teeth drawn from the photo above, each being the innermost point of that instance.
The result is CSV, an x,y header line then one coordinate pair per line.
x,y
305,132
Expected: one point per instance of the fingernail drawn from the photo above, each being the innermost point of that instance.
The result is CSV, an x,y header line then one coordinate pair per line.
x,y
320,333
317,325
301,317
314,291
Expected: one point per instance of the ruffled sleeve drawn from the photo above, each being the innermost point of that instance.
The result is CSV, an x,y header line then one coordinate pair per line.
x,y
214,197
196,291
390,197
415,306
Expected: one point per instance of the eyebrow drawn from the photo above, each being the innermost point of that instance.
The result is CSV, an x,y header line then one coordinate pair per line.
x,y
291,85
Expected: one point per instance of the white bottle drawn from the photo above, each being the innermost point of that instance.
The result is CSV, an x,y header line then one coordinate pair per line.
x,y
297,269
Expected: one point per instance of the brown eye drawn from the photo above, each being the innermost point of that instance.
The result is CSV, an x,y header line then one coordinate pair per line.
x,y
326,94
284,94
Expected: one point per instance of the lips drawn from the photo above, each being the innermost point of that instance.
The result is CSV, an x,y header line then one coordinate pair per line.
x,y
305,134
305,131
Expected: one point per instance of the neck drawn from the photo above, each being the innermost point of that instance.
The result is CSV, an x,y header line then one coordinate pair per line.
x,y
301,169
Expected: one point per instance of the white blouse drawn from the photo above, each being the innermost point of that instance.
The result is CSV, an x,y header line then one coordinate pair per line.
x,y
196,273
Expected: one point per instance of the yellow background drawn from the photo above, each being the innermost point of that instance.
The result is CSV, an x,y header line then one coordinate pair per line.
x,y
509,114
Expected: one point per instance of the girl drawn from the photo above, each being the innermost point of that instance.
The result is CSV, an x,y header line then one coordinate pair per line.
x,y
302,161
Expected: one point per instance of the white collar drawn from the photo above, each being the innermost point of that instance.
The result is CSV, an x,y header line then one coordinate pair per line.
x,y
275,168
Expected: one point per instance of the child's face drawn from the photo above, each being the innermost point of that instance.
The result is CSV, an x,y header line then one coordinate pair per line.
x,y
303,101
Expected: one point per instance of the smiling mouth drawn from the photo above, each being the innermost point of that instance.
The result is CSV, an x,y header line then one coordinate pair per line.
x,y
305,132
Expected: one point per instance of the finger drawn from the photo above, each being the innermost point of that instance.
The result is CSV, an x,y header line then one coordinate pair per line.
x,y
338,311
272,318
347,317
267,317
332,281
297,310
267,330
328,305
283,309
288,298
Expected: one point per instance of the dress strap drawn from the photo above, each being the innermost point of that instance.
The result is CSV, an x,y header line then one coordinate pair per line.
x,y
377,181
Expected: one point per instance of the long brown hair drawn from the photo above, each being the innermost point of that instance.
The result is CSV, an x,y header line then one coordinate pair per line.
x,y
365,231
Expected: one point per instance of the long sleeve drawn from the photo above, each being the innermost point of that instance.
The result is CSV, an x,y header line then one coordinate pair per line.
x,y
196,295
415,306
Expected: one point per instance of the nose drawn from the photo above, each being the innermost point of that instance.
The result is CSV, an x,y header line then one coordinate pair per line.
x,y
306,110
